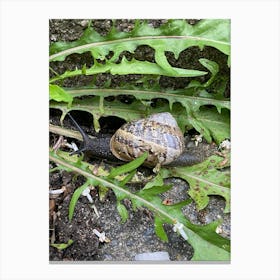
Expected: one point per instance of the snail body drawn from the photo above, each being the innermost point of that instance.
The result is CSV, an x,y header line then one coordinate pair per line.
x,y
158,134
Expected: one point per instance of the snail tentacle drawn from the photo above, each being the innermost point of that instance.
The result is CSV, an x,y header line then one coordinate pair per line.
x,y
97,147
86,138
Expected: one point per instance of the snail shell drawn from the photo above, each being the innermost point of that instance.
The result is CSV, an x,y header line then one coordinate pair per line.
x,y
159,135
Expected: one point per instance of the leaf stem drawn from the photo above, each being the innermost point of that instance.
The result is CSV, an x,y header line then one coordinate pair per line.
x,y
150,38
111,185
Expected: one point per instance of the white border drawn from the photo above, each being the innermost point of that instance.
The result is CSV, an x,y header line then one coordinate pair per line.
x,y
255,136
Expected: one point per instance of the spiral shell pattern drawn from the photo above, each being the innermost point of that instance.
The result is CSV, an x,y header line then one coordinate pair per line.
x,y
159,135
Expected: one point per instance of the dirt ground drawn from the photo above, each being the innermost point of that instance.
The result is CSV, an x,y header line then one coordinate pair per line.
x,y
137,235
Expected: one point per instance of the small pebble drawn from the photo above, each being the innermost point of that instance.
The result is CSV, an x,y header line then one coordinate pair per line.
x,y
156,256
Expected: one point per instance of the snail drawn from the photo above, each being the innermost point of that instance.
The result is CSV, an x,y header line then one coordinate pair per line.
x,y
158,134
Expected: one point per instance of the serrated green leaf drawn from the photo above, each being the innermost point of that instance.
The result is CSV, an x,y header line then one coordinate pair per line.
x,y
205,120
189,98
186,105
212,124
148,68
134,66
175,36
217,124
205,179
200,237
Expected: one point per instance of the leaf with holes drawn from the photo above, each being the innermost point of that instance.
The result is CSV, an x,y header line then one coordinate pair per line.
x,y
206,178
176,36
207,244
208,122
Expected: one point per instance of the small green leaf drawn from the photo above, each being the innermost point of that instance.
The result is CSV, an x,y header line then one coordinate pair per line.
x,y
159,230
128,166
122,211
63,246
75,198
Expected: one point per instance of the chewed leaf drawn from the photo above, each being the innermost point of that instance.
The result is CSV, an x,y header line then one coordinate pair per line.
x,y
204,239
175,36
208,122
200,101
206,179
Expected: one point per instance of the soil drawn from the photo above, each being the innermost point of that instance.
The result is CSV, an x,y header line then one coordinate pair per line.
x,y
137,234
